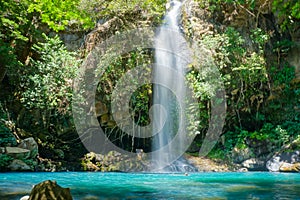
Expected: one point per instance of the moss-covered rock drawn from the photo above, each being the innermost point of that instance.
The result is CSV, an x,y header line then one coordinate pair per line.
x,y
50,190
114,161
19,165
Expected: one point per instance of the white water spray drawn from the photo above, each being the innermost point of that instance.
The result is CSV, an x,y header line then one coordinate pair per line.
x,y
169,54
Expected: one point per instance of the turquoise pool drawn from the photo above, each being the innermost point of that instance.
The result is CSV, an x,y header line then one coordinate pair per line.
x,y
84,185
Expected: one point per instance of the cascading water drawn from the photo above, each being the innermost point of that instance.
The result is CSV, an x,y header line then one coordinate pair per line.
x,y
169,48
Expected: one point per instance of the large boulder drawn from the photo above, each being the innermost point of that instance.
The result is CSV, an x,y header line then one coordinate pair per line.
x,y
50,190
273,164
254,164
289,167
18,153
18,165
31,145
277,161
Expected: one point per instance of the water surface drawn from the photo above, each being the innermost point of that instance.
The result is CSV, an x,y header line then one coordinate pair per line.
x,y
96,185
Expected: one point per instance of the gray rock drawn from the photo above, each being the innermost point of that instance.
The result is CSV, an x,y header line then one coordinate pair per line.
x,y
273,164
276,161
254,164
18,165
18,153
240,155
31,145
2,150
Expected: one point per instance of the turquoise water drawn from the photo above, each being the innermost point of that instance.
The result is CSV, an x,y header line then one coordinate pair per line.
x,y
95,185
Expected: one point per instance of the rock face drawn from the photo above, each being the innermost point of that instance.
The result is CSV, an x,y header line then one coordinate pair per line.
x,y
286,162
18,165
31,145
115,161
26,151
273,165
288,167
18,153
49,190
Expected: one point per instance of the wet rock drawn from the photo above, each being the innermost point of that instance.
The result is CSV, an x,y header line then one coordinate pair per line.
x,y
31,145
18,153
277,161
242,169
25,197
50,190
273,165
254,164
91,167
18,165
289,167
2,150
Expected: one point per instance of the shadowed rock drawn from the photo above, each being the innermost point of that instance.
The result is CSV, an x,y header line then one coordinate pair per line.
x,y
49,190
18,165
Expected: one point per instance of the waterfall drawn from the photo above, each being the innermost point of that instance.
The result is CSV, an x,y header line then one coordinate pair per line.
x,y
169,50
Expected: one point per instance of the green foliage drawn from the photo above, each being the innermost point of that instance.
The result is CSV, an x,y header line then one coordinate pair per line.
x,y
139,105
13,19
284,97
288,11
59,14
103,9
5,160
243,71
218,154
7,56
275,135
117,68
6,136
260,38
46,83
15,28
32,163
282,76
216,5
